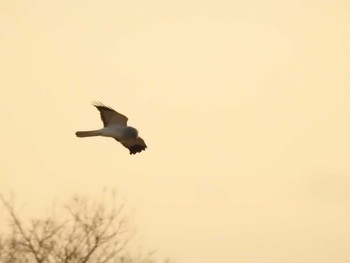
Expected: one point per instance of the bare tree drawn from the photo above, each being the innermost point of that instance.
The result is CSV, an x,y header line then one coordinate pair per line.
x,y
89,233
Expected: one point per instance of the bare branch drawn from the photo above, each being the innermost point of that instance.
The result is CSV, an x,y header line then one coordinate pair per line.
x,y
91,232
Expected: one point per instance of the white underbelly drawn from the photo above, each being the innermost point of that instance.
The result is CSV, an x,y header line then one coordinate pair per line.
x,y
114,132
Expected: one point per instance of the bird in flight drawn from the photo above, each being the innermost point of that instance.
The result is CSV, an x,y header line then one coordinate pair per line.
x,y
115,126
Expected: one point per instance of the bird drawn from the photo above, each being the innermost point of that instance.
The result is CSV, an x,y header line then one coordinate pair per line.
x,y
115,126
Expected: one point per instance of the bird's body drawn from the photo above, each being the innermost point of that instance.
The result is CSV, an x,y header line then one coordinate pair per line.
x,y
115,126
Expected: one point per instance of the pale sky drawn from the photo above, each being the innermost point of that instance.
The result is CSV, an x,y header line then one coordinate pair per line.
x,y
245,107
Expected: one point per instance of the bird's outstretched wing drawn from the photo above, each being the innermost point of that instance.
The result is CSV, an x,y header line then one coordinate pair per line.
x,y
135,146
109,116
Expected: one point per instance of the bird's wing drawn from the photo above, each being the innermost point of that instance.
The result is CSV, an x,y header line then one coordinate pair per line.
x,y
135,146
109,116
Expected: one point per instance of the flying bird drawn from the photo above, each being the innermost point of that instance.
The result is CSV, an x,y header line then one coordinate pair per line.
x,y
115,126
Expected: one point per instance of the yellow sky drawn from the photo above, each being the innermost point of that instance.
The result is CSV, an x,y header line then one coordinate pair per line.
x,y
244,106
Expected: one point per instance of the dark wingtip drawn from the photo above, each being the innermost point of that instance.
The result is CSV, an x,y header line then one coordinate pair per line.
x,y
100,105
96,103
136,149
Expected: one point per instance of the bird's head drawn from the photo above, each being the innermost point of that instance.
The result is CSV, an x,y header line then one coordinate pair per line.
x,y
130,132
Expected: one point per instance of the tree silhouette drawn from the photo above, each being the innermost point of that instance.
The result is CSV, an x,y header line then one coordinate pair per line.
x,y
90,233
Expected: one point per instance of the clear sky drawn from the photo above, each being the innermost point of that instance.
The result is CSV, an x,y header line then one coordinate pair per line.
x,y
245,107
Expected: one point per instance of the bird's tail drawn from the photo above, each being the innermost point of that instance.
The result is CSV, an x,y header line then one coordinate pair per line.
x,y
88,133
